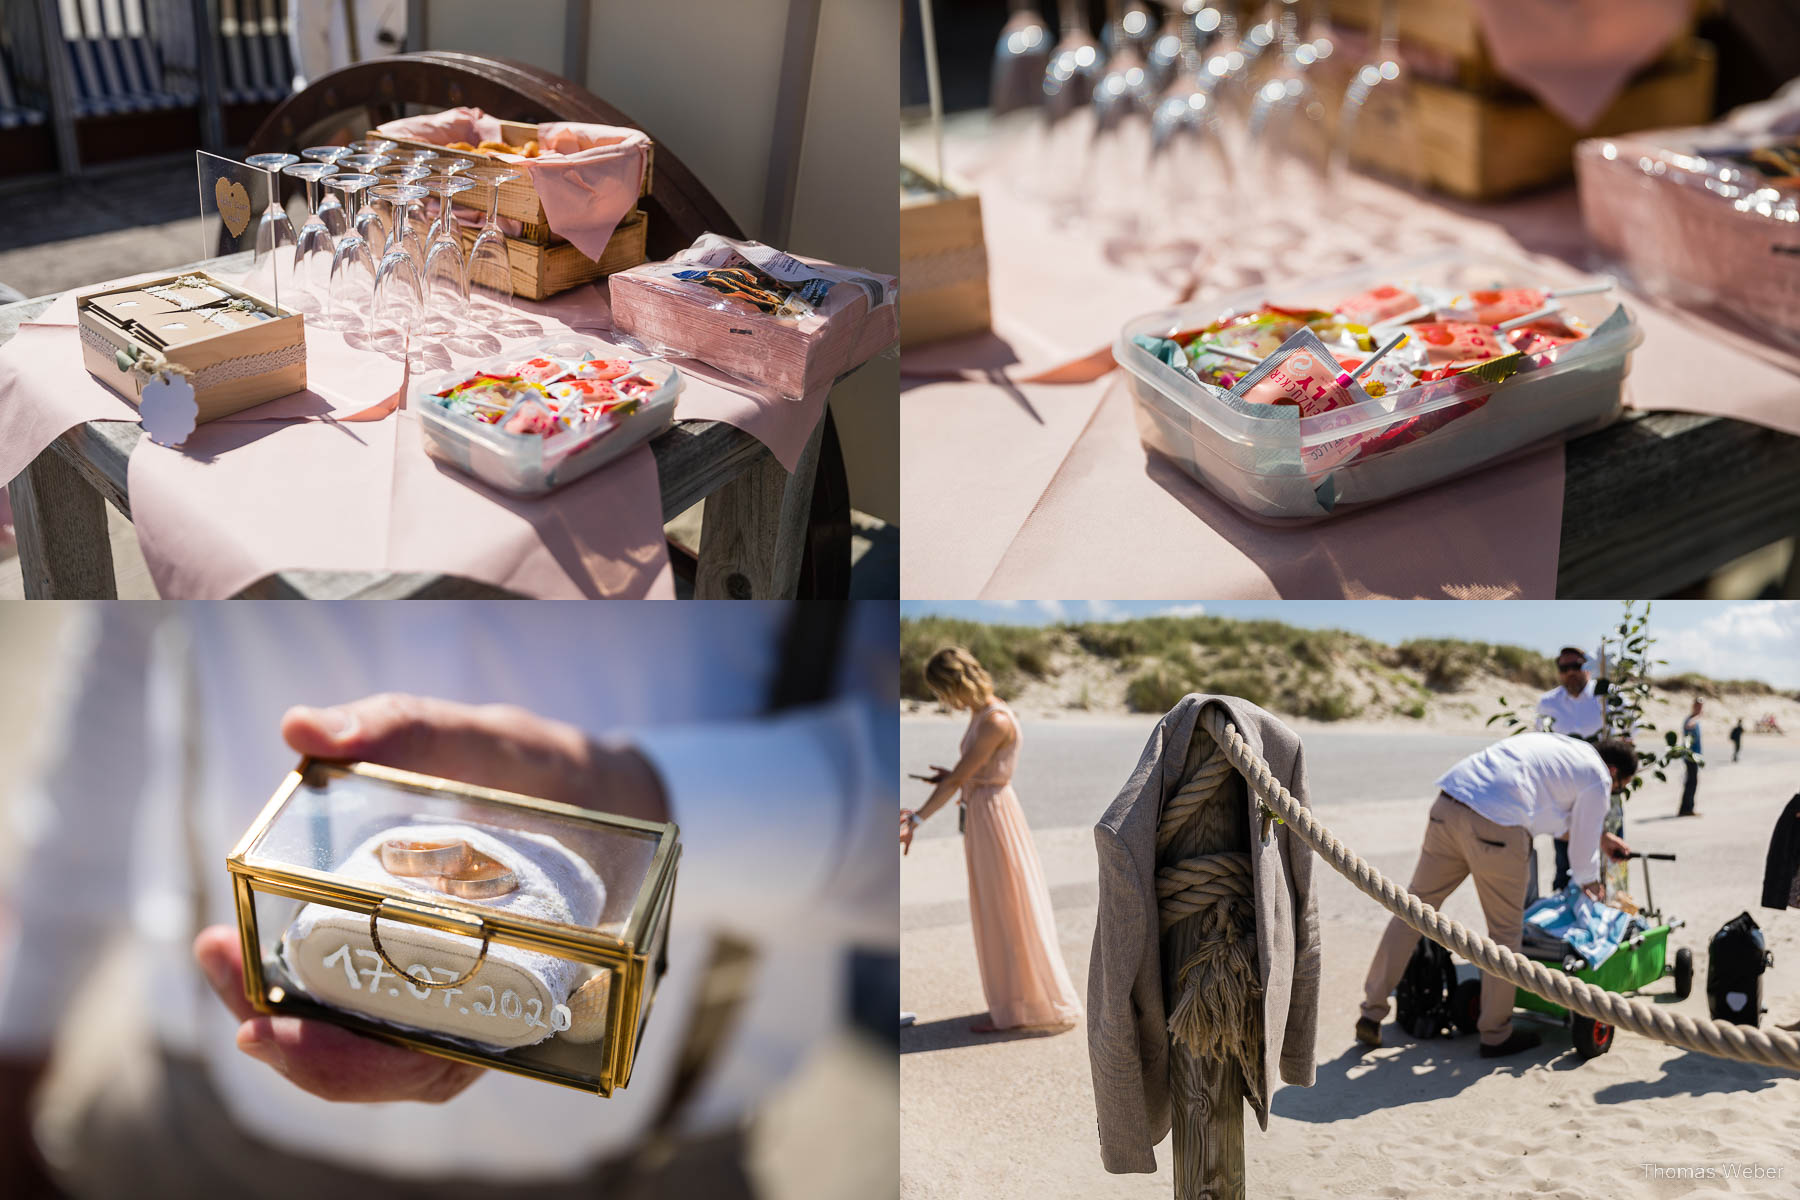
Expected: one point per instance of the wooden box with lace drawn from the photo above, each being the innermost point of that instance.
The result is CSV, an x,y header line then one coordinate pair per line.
x,y
943,258
235,348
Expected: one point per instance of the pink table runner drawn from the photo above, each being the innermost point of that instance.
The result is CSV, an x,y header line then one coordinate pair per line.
x,y
320,480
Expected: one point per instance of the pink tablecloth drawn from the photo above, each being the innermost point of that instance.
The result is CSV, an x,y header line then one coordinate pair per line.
x,y
333,478
1022,490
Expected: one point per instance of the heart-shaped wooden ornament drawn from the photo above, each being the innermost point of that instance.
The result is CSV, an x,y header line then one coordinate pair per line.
x,y
234,205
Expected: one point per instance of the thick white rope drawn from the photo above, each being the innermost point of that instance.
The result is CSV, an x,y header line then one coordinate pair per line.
x,y
1746,1043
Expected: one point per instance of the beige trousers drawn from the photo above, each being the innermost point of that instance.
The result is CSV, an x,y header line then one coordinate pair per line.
x,y
1460,842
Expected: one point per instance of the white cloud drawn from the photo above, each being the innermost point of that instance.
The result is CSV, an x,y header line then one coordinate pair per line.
x,y
1053,610
1104,610
1182,610
1754,640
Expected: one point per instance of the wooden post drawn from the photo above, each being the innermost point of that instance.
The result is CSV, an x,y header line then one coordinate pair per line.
x,y
64,552
1206,1095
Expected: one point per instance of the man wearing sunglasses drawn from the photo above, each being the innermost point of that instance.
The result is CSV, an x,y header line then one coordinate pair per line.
x,y
1573,707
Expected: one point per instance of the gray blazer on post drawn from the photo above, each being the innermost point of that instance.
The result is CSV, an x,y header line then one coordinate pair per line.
x,y
1128,1038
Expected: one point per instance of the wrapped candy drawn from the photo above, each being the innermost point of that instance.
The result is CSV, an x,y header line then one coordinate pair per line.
x,y
1458,344
538,370
532,417
600,368
1382,304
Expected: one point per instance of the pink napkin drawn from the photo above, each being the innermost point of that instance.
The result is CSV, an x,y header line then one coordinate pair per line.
x,y
978,456
587,176
1576,55
246,499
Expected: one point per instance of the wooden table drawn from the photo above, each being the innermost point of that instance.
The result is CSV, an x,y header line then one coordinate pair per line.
x,y
752,538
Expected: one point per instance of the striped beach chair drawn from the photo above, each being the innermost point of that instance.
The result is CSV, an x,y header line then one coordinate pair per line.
x,y
254,55
114,65
13,111
24,91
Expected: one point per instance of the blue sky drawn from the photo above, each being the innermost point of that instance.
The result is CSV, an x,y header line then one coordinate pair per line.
x,y
1752,639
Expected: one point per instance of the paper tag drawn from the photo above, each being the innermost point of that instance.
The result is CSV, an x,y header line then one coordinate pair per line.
x,y
167,409
234,204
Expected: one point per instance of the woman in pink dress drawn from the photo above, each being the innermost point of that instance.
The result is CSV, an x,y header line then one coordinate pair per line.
x,y
1022,971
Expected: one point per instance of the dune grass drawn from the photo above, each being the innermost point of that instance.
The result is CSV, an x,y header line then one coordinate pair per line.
x,y
1324,674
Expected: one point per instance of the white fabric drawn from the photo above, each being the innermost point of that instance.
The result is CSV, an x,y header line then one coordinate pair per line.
x,y
1545,782
1581,715
554,884
102,836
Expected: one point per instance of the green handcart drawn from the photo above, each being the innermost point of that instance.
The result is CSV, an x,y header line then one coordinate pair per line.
x,y
1639,962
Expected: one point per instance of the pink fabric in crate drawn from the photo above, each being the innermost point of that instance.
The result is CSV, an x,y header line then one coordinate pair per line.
x,y
587,176
1577,55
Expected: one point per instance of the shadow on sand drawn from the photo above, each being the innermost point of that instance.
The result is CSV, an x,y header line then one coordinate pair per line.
x,y
953,1033
1360,1081
1695,1074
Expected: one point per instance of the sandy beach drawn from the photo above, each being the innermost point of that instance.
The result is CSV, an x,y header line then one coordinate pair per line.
x,y
1013,1117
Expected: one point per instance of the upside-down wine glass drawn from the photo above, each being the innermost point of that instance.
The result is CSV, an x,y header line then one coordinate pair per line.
x,y
450,167
275,231
489,267
366,220
314,248
446,281
352,285
1020,56
1290,129
1190,166
330,210
1123,104
1075,68
409,230
1378,124
399,293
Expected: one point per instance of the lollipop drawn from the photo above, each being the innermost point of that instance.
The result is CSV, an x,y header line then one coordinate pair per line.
x,y
1458,344
600,368
1381,304
539,370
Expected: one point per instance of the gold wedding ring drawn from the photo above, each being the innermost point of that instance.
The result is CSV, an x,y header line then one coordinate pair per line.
x,y
453,868
482,879
424,858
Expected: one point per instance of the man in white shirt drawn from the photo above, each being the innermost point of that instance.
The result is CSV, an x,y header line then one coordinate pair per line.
x,y
1573,707
1488,807
181,721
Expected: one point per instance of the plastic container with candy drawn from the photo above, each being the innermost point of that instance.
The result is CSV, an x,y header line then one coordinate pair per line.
x,y
1286,435
532,419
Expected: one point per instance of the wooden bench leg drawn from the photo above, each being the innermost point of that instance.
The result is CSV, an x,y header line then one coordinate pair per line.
x,y
64,551
753,532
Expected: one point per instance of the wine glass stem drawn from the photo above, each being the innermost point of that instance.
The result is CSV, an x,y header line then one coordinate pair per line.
x,y
493,216
312,206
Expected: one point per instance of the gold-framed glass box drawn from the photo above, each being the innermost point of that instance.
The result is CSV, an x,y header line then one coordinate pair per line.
x,y
480,925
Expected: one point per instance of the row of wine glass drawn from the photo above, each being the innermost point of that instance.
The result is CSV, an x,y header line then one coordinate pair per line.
x,y
383,261
1224,105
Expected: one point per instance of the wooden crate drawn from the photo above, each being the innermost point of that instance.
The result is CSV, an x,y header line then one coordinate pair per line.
x,y
943,263
1442,39
286,331
1481,147
540,271
518,199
